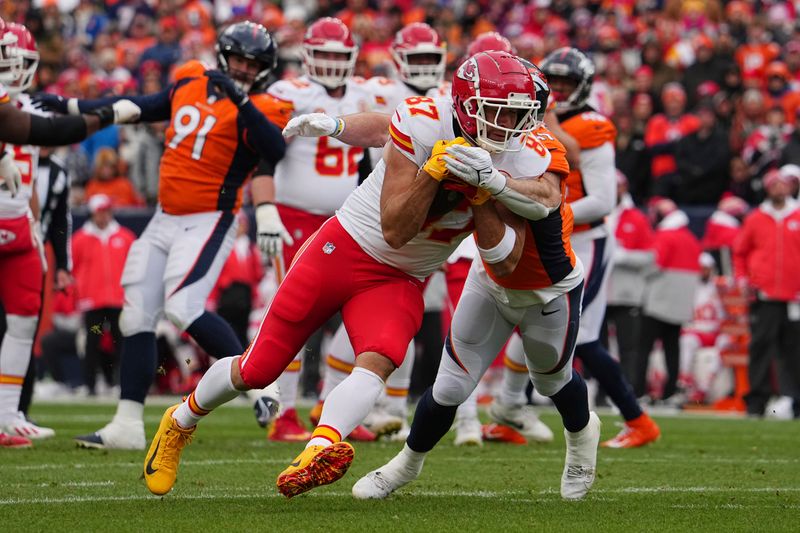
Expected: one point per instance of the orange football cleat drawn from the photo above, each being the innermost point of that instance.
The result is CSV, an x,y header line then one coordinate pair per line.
x,y
637,432
314,467
288,428
502,433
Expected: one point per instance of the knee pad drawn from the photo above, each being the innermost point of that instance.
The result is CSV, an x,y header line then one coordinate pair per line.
x,y
449,390
550,384
177,312
134,319
21,327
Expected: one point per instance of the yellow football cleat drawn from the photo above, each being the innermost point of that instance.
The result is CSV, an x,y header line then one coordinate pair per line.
x,y
161,462
314,467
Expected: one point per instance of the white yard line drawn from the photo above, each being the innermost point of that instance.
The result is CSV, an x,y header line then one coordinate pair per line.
x,y
225,494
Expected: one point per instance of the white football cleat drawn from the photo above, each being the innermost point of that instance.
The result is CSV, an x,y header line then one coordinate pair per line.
x,y
119,434
380,483
382,423
468,432
523,418
22,427
581,460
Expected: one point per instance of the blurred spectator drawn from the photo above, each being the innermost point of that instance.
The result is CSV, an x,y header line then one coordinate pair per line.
x,y
633,157
766,256
632,256
723,226
702,332
653,57
59,347
702,160
779,91
706,67
107,180
99,250
763,148
236,290
167,51
662,134
669,294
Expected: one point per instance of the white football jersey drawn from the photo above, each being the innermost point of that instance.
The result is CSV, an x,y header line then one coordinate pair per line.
x,y
317,174
416,126
27,160
387,94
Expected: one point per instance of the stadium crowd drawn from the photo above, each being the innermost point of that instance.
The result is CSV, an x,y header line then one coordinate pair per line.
x,y
704,94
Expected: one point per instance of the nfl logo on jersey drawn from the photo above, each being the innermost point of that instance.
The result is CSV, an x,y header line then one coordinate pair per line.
x,y
328,248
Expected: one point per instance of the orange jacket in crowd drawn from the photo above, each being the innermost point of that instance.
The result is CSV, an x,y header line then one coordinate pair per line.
x,y
119,189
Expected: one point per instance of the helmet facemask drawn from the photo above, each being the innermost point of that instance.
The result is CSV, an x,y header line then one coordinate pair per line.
x,y
30,62
486,113
422,76
331,73
10,59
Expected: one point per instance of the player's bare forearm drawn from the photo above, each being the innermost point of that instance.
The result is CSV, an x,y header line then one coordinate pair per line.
x,y
490,229
263,189
569,142
368,129
406,197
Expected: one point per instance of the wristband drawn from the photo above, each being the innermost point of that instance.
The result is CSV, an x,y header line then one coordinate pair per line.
x,y
502,249
339,127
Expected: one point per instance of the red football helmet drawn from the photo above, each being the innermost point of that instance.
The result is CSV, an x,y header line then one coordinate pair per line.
x,y
329,36
490,40
485,88
419,55
10,60
27,50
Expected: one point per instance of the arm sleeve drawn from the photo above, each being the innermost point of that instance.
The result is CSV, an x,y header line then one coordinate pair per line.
x,y
261,134
600,184
155,107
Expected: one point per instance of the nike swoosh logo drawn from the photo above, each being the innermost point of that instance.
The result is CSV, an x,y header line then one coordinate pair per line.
x,y
549,312
295,464
148,469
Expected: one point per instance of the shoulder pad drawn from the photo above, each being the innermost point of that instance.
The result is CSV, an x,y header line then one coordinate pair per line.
x,y
590,129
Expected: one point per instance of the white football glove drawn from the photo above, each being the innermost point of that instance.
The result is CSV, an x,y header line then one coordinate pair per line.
x,y
311,125
9,172
270,231
126,112
474,166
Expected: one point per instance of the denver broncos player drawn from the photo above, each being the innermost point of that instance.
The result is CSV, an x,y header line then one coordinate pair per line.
x,y
392,232
313,179
591,192
220,127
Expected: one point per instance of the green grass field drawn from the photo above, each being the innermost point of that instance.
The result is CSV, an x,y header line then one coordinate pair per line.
x,y
705,474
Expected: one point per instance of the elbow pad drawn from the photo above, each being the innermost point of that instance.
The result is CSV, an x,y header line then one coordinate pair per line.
x,y
522,205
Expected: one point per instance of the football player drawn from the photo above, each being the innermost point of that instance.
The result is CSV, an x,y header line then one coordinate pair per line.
x,y
592,195
428,192
21,252
220,125
537,291
312,181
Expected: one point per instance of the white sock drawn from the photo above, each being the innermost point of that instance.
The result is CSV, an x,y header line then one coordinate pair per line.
x,y
468,409
348,404
397,384
339,362
129,411
15,356
515,374
215,388
288,383
406,465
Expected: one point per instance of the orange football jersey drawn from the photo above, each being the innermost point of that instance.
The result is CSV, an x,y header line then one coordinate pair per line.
x,y
591,130
206,157
547,255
